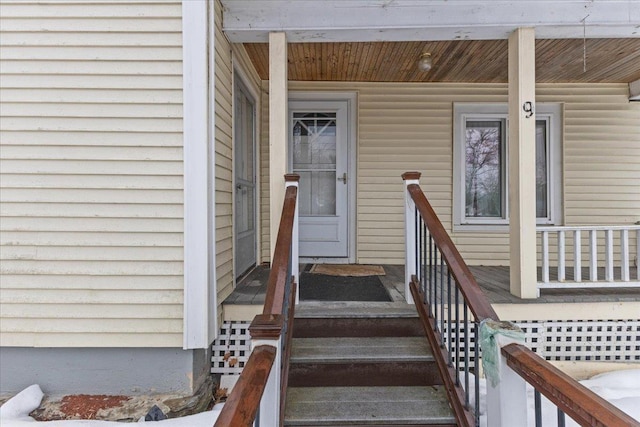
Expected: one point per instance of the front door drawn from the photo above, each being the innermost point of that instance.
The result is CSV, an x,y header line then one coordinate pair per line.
x,y
245,179
319,154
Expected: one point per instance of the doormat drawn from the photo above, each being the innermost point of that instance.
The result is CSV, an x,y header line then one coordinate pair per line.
x,y
348,269
324,287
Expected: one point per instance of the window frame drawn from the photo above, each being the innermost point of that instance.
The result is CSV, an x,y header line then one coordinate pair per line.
x,y
463,112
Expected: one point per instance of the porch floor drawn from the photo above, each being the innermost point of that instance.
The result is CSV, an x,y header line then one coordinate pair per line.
x,y
493,280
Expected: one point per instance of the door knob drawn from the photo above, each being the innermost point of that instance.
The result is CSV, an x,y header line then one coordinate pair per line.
x,y
343,178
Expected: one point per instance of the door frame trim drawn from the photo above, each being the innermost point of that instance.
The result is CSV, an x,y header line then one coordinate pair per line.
x,y
240,74
351,97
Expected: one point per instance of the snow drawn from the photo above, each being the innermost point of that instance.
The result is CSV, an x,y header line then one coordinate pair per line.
x,y
621,388
15,413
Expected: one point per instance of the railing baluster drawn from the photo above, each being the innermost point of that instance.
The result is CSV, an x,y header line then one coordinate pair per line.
x,y
577,256
476,370
560,418
545,256
537,406
435,288
624,253
466,353
593,256
457,323
561,257
449,324
442,297
608,250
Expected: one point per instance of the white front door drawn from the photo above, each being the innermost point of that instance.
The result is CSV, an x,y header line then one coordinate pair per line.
x,y
245,179
319,138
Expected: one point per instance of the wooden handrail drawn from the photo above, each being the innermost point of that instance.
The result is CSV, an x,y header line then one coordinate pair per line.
x,y
574,399
241,407
477,301
274,300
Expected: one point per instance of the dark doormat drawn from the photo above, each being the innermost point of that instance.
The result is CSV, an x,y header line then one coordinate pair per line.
x,y
323,287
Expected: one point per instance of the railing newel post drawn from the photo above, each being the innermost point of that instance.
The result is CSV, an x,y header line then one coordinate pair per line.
x,y
410,231
507,404
292,180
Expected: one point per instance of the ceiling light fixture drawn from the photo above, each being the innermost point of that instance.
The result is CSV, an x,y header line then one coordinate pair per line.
x,y
425,62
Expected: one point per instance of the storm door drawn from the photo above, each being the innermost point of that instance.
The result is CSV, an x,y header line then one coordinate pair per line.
x,y
245,179
319,154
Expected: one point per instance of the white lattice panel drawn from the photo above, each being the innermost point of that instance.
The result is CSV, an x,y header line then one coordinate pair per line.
x,y
569,340
231,350
585,340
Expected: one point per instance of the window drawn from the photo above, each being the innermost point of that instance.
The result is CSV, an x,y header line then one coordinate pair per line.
x,y
481,164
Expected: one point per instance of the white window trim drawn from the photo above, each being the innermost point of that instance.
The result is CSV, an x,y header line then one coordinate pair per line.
x,y
463,111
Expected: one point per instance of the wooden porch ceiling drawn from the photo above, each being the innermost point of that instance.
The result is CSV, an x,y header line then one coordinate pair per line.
x,y
473,61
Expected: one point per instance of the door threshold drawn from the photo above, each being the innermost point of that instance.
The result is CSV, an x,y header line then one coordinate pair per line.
x,y
325,261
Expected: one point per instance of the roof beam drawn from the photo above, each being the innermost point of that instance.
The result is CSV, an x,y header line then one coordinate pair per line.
x,y
414,20
634,91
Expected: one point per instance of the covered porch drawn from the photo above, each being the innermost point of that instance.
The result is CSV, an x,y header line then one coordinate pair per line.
x,y
577,74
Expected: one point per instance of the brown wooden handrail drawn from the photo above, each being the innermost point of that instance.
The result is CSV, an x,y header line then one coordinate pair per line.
x,y
274,300
477,301
574,399
241,407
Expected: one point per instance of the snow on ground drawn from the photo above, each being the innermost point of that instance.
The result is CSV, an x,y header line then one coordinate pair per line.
x,y
15,413
621,388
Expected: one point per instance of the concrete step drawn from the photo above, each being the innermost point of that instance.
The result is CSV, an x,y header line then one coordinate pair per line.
x,y
362,361
400,406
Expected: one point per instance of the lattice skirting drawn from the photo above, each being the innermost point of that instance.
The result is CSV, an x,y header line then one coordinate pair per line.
x,y
567,340
231,350
570,340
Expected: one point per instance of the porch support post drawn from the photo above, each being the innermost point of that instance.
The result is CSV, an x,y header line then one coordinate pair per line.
x,y
278,130
522,163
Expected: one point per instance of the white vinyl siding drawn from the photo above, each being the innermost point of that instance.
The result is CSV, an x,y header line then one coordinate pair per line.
x,y
92,200
404,127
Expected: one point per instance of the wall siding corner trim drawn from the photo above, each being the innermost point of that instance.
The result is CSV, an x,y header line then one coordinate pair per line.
x,y
199,221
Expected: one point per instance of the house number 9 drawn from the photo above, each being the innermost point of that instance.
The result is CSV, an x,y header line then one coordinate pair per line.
x,y
527,107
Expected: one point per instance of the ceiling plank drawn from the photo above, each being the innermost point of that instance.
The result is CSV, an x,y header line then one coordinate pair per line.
x,y
473,61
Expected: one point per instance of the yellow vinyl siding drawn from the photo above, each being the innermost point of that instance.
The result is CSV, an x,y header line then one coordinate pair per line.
x,y
91,162
223,169
404,127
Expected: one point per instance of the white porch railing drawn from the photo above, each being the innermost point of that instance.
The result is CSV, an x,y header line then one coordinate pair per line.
x,y
610,258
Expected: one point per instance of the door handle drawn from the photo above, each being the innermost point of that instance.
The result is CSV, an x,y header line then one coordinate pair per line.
x,y
343,178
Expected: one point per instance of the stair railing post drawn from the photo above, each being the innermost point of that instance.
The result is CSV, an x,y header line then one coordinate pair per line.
x,y
266,329
292,180
507,404
410,233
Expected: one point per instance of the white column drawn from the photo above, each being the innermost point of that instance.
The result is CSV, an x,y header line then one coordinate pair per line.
x,y
522,171
410,232
278,130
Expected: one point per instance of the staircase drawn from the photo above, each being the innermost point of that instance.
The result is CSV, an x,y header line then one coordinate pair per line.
x,y
363,364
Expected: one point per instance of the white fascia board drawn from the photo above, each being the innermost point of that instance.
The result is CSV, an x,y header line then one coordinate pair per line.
x,y
407,20
197,191
634,91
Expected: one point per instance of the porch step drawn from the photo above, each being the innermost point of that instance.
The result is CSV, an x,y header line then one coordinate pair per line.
x,y
401,406
362,361
362,364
